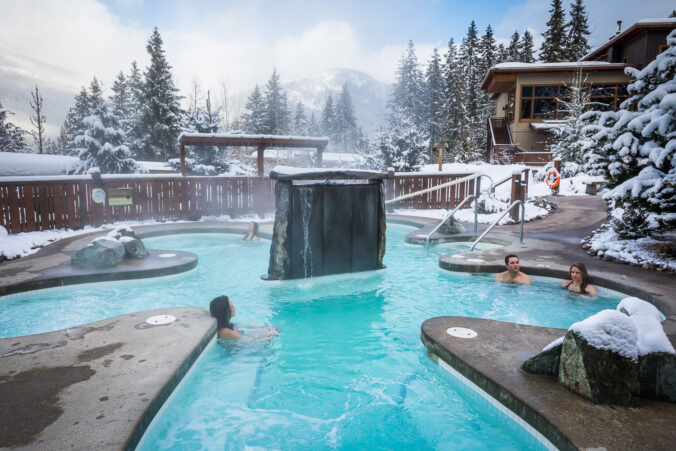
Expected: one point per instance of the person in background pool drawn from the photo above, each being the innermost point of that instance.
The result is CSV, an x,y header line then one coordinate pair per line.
x,y
252,232
513,273
223,310
579,280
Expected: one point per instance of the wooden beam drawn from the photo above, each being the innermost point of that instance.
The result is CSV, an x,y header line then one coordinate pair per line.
x,y
261,167
320,151
182,152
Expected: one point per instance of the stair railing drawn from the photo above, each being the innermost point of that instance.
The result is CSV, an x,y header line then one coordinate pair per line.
x,y
523,215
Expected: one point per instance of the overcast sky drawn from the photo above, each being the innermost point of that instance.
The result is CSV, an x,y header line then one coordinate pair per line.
x,y
67,42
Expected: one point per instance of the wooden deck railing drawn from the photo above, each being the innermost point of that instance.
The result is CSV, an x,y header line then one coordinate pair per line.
x,y
45,203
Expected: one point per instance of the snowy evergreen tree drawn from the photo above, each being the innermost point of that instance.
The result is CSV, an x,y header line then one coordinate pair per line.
x,y
487,58
160,108
38,120
453,110
408,92
578,30
313,128
379,155
638,142
11,136
473,139
121,106
208,160
73,125
502,53
513,49
328,119
408,144
571,143
253,121
553,48
102,143
135,136
345,123
300,124
277,114
526,48
434,99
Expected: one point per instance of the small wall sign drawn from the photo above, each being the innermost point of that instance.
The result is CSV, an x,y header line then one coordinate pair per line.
x,y
119,196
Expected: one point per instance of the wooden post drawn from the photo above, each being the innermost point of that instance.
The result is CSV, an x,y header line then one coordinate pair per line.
x,y
320,151
516,195
182,155
261,167
389,189
557,166
97,210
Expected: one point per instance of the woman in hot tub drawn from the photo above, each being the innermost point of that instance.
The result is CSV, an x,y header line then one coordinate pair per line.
x,y
579,280
223,310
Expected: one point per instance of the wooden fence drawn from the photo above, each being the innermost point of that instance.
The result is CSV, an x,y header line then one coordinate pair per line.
x,y
66,202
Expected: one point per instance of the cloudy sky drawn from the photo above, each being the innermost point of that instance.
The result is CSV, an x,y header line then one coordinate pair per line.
x,y
62,44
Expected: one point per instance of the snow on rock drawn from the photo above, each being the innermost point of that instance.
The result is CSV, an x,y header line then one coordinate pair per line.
x,y
635,306
647,319
610,330
553,344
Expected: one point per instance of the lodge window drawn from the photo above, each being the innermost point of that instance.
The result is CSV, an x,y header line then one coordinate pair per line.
x,y
540,103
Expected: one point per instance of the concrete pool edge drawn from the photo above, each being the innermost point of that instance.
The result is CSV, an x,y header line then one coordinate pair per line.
x,y
492,362
127,379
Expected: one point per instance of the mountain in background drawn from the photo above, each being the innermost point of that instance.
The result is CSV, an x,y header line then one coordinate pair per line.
x,y
369,96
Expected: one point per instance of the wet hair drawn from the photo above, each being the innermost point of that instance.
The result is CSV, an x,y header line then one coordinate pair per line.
x,y
255,231
585,275
510,256
220,309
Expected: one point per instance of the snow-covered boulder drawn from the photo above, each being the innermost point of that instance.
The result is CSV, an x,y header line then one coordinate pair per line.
x,y
133,247
546,362
599,358
656,355
101,253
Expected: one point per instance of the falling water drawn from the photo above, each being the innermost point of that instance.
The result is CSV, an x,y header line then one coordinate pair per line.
x,y
306,210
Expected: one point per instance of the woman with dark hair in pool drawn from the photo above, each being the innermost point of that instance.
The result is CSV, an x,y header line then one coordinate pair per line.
x,y
223,310
252,232
579,280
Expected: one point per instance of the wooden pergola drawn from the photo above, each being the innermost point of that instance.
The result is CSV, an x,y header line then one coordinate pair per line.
x,y
261,142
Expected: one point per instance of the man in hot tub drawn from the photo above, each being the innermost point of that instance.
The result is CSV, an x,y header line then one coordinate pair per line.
x,y
513,273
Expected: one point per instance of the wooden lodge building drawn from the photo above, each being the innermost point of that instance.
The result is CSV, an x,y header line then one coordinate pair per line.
x,y
526,94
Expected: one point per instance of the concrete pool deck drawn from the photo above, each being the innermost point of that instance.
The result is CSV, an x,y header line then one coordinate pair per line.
x,y
75,398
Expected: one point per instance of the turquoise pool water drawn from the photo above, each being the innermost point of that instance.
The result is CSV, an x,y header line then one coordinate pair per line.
x,y
347,370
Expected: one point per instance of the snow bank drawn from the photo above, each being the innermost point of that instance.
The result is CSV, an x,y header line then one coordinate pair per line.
x,y
21,164
611,330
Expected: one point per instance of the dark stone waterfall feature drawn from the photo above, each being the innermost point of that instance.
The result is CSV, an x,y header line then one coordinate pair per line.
x,y
327,222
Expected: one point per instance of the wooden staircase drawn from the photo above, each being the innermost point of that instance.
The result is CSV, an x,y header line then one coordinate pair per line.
x,y
500,148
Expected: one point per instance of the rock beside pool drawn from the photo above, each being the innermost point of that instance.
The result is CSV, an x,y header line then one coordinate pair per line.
x,y
133,247
100,253
657,376
546,362
599,358
452,227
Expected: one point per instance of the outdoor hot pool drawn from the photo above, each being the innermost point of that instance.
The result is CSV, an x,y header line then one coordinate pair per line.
x,y
347,370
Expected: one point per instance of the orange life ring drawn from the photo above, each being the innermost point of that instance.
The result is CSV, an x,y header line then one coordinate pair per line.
x,y
557,178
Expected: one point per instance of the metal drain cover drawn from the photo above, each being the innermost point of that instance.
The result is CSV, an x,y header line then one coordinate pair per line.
x,y
461,332
166,255
161,319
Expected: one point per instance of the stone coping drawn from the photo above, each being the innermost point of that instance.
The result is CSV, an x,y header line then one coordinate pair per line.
x,y
492,361
96,386
65,274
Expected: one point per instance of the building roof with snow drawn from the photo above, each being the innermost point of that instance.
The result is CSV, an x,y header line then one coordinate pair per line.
x,y
637,45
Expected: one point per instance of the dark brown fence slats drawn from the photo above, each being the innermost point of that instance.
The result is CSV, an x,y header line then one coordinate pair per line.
x,y
36,205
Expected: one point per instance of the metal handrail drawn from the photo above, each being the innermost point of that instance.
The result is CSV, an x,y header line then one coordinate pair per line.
x,y
427,238
523,215
438,187
490,125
